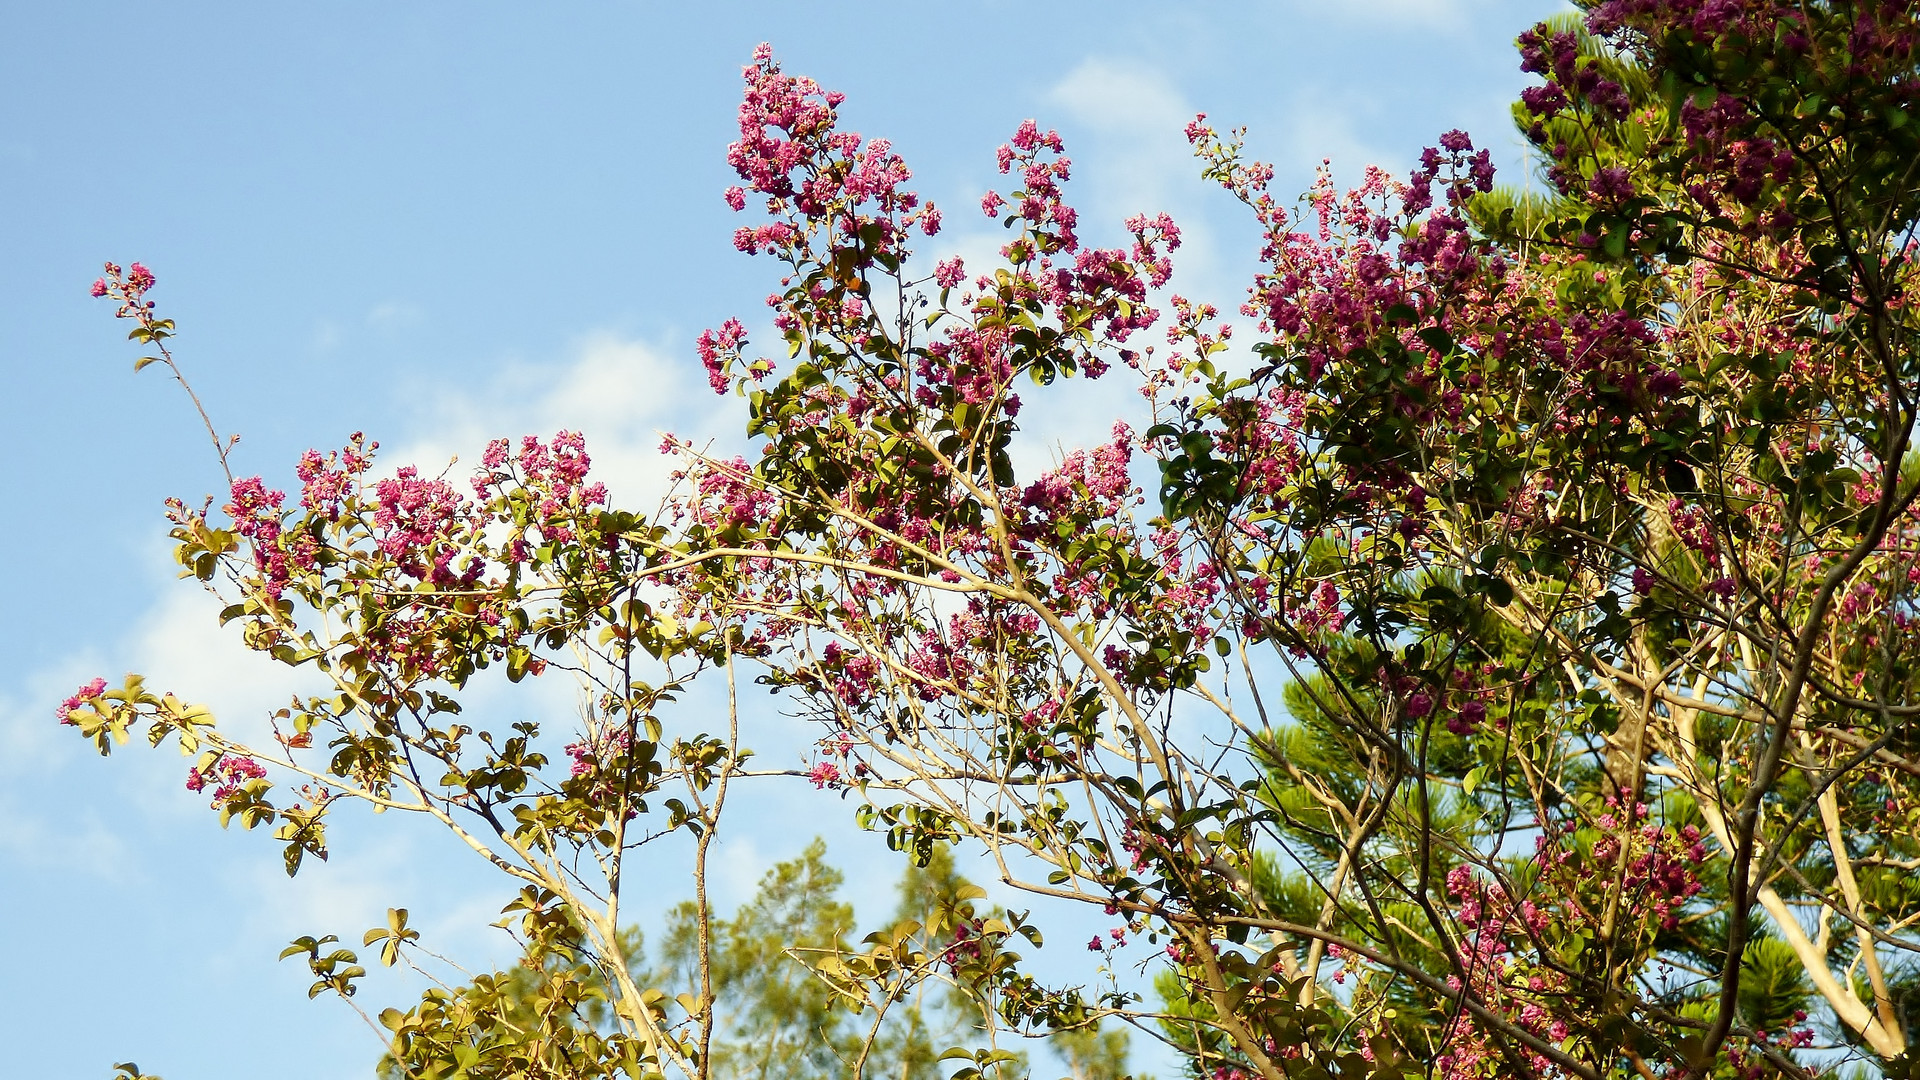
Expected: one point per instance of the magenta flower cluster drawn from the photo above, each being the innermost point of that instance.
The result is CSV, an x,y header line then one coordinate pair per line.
x,y
1503,934
81,698
229,774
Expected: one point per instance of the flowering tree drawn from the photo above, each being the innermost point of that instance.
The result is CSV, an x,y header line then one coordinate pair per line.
x,y
1511,676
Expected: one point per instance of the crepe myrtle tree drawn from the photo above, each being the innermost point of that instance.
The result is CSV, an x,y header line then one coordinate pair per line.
x,y
1494,659
399,590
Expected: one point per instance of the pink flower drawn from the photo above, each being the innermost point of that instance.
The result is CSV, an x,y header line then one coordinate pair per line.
x,y
85,695
990,204
1611,184
737,197
255,509
1471,716
824,775
716,347
99,287
949,272
230,774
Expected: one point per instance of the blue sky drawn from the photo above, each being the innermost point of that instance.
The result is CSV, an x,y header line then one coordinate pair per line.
x,y
437,222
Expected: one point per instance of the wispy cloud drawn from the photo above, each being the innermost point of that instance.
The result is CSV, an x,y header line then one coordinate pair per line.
x,y
1122,96
1135,117
392,315
619,392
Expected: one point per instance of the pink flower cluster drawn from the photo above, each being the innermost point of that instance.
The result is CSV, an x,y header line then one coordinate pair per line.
x,y
551,476
1112,282
949,273
1750,1061
1442,241
84,697
967,944
258,515
129,287
1650,871
600,768
727,497
1662,865
1694,527
909,504
1039,198
527,499
855,674
941,667
825,774
1321,613
1735,153
597,754
417,520
229,774
1571,76
718,350
327,481
789,151
1500,980
778,114
1096,481
1329,290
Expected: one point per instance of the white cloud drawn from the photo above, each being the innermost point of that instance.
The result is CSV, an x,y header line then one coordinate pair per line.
x,y
618,392
1323,127
741,866
1128,122
65,814
1122,97
326,336
51,826
30,739
184,649
391,315
77,846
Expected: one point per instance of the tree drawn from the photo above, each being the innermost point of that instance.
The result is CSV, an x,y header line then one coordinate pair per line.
x,y
776,1014
783,1019
1514,678
774,965
1093,1054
